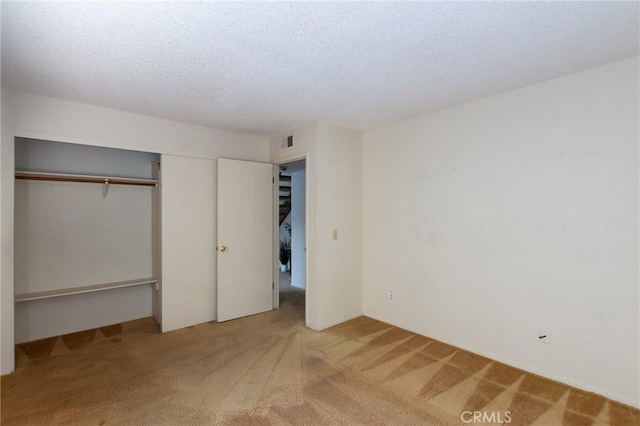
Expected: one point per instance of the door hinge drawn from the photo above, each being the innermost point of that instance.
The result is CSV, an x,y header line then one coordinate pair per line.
x,y
273,180
273,286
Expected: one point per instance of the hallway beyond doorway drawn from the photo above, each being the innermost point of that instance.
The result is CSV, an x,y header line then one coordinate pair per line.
x,y
288,294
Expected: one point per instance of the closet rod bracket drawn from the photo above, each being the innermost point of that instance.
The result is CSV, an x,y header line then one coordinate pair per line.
x,y
105,188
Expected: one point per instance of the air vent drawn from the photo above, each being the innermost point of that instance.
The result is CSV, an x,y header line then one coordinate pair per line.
x,y
287,142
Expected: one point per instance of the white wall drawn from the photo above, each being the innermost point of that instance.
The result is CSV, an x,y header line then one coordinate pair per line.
x,y
339,203
333,188
519,211
44,118
51,119
298,257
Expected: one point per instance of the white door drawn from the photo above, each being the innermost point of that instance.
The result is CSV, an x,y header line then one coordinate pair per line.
x,y
245,238
188,243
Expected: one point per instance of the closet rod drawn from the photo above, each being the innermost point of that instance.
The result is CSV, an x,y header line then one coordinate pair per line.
x,y
59,177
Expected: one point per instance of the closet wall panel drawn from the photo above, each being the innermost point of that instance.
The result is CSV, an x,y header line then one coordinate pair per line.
x,y
38,319
72,236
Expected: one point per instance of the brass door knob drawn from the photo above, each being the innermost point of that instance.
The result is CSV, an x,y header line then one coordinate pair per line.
x,y
223,248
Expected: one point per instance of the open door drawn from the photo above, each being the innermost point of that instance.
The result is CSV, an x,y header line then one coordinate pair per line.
x,y
245,238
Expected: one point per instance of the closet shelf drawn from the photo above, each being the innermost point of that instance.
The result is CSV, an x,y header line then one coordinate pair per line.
x,y
85,289
63,177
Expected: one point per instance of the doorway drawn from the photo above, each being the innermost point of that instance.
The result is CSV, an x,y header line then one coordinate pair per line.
x,y
291,261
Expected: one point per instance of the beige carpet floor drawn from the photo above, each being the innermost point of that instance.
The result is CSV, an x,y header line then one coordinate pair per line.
x,y
270,369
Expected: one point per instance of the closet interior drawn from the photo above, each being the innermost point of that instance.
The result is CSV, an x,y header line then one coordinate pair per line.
x,y
86,237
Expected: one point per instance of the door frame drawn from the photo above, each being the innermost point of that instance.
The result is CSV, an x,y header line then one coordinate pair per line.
x,y
276,228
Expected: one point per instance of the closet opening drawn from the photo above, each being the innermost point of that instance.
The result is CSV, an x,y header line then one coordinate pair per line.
x,y
87,238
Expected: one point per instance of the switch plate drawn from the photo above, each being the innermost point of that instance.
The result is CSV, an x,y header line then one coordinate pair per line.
x,y
335,234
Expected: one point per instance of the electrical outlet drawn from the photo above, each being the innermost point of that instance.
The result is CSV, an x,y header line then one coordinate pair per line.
x,y
544,336
392,296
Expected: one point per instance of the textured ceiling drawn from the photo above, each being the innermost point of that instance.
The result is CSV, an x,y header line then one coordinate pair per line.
x,y
265,67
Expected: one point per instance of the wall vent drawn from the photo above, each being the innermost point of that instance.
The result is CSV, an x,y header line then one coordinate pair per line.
x,y
287,142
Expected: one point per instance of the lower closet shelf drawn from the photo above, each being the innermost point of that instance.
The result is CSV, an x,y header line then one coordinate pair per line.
x,y
78,290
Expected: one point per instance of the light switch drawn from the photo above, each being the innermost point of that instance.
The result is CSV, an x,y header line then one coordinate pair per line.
x,y
335,234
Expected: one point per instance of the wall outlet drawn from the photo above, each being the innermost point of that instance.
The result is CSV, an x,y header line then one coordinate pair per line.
x,y
392,296
544,336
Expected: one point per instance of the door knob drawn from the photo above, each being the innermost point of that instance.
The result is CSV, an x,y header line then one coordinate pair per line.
x,y
223,248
